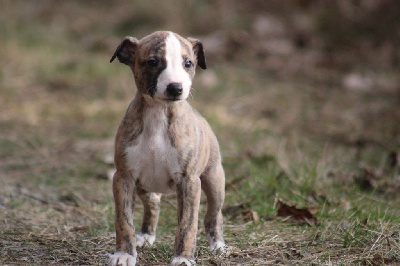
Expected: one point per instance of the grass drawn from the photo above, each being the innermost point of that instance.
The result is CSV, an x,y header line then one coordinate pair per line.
x,y
300,139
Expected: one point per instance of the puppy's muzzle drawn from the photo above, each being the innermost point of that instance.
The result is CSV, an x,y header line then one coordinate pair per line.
x,y
174,90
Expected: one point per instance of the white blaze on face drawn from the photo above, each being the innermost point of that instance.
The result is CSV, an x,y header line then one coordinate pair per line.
x,y
175,72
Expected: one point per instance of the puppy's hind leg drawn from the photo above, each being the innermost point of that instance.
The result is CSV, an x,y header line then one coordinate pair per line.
x,y
151,204
213,185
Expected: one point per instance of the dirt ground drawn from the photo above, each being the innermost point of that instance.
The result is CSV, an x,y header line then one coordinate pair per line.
x,y
304,97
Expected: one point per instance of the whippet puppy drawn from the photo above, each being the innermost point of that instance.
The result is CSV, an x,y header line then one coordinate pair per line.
x,y
163,145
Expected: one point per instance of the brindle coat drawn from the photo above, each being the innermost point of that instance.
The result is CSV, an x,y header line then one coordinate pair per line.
x,y
191,159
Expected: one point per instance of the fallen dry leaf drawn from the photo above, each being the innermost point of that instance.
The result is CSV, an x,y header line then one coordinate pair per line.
x,y
365,180
380,260
300,215
393,159
243,210
249,215
368,179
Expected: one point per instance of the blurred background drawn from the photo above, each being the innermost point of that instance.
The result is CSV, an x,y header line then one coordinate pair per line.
x,y
328,70
286,80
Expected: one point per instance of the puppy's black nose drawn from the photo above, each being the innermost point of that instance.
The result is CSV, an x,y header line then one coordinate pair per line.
x,y
174,89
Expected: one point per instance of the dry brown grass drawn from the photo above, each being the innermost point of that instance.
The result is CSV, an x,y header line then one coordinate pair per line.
x,y
310,124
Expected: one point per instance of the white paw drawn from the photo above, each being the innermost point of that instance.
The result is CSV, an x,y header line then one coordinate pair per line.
x,y
122,259
218,246
144,240
177,261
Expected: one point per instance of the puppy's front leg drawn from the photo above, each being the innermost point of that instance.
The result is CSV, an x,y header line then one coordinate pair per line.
x,y
188,196
124,198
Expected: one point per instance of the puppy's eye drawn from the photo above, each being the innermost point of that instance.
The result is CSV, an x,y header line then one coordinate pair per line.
x,y
188,64
152,63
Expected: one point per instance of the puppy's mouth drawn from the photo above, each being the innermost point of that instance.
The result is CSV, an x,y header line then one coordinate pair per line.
x,y
173,99
168,99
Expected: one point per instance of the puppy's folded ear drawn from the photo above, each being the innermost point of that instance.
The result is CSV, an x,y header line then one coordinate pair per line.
x,y
199,52
126,51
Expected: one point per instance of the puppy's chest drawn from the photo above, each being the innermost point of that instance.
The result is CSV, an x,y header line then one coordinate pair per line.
x,y
152,160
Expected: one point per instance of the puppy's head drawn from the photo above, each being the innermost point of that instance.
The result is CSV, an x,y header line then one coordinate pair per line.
x,y
162,63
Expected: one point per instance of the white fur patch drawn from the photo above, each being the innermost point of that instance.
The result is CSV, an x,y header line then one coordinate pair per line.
x,y
176,261
122,258
153,161
144,239
218,246
175,72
